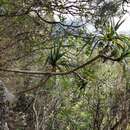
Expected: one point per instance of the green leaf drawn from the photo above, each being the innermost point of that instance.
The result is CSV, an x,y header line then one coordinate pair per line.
x,y
118,24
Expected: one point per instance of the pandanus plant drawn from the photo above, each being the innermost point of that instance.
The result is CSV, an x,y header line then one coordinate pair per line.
x,y
56,53
111,43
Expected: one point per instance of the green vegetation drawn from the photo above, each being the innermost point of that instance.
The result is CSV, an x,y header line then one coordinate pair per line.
x,y
64,74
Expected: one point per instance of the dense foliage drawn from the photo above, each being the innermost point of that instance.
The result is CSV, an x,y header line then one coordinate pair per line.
x,y
66,63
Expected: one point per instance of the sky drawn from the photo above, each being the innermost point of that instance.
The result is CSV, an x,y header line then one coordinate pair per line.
x,y
124,28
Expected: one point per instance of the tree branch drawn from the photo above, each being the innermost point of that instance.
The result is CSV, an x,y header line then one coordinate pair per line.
x,y
60,23
51,73
62,73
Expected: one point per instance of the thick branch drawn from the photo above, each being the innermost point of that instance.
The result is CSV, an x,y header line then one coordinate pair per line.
x,y
61,73
115,59
51,73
